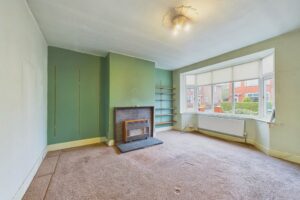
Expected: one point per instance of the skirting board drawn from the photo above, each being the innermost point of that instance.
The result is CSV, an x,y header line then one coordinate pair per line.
x,y
20,193
110,143
222,136
264,149
285,156
275,153
76,143
259,146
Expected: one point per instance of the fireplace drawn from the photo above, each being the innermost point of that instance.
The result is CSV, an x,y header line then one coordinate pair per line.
x,y
133,123
135,129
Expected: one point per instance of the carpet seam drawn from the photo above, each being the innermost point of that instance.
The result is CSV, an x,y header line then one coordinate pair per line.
x,y
52,176
50,173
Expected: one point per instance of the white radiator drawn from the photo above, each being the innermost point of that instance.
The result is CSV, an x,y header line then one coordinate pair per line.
x,y
229,126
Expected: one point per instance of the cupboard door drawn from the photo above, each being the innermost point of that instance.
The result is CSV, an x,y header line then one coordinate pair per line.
x,y
51,104
89,101
66,103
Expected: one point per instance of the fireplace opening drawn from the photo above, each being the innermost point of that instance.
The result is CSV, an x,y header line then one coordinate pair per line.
x,y
135,129
133,124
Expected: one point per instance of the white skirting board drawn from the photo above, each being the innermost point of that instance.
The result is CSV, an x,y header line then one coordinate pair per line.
x,y
20,193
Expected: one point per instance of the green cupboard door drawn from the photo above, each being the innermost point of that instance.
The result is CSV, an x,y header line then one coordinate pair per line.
x,y
89,101
67,104
51,104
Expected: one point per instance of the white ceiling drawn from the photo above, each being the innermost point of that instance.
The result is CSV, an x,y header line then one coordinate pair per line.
x,y
134,27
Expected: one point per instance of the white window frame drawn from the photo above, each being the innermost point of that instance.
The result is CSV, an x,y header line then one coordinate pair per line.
x,y
195,95
242,60
211,96
268,77
259,97
232,97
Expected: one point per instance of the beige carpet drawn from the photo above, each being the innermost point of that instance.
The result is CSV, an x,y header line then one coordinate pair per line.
x,y
186,166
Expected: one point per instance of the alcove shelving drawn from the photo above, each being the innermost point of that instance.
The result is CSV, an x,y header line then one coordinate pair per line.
x,y
164,105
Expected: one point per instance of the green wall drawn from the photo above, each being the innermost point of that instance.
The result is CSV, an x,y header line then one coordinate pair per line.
x,y
163,78
83,90
284,134
74,103
131,83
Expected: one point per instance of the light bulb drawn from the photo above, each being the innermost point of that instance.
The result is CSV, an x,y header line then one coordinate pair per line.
x,y
178,26
187,27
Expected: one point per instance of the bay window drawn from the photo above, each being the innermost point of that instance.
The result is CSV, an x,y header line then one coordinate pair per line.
x,y
245,89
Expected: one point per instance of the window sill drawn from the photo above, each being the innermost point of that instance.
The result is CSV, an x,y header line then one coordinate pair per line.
x,y
231,116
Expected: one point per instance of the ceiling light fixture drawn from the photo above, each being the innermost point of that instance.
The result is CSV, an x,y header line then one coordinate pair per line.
x,y
180,19
181,22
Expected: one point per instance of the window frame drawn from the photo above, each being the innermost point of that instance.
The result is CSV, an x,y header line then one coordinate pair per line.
x,y
232,96
186,98
261,98
265,78
211,96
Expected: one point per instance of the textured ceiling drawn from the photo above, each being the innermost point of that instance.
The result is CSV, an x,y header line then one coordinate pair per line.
x,y
135,28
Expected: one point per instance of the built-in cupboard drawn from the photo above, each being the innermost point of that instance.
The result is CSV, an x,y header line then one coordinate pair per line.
x,y
73,96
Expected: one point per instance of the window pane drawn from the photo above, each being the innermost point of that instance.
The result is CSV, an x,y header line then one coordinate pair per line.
x,y
190,79
204,98
223,98
268,97
246,97
190,99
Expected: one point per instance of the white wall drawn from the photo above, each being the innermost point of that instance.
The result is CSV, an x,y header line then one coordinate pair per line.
x,y
23,97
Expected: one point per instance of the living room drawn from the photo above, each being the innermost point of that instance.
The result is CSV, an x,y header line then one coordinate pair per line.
x,y
140,99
